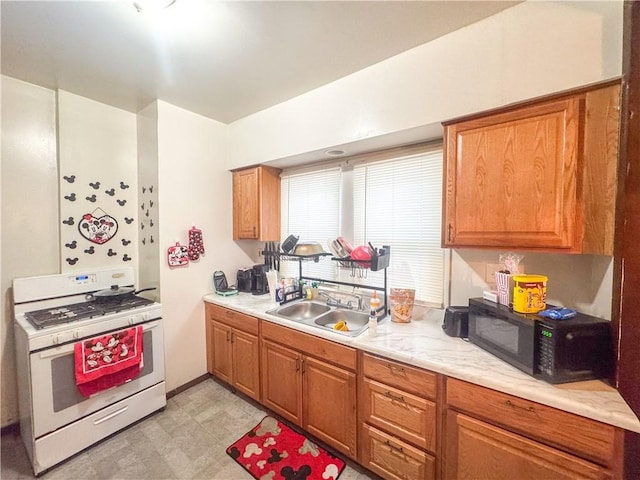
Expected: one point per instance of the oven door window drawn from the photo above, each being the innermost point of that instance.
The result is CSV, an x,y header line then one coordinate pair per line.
x,y
55,396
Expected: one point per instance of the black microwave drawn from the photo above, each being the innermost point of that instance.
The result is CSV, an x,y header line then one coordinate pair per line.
x,y
556,351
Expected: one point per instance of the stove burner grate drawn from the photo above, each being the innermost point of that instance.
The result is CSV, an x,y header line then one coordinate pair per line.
x,y
74,312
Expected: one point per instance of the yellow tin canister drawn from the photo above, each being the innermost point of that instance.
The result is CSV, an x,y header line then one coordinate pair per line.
x,y
529,293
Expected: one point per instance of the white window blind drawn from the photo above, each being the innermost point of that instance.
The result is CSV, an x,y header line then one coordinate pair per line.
x,y
397,202
386,198
311,210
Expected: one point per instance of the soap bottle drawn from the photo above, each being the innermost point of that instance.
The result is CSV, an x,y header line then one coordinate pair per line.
x,y
374,304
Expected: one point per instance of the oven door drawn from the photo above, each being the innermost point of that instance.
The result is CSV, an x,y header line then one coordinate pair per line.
x,y
506,337
56,399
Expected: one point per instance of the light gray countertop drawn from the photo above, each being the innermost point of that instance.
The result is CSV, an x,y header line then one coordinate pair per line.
x,y
422,343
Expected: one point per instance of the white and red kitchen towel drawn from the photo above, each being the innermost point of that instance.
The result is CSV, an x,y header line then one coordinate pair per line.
x,y
108,360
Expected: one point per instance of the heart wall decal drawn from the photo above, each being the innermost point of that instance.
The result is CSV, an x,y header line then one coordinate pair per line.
x,y
98,229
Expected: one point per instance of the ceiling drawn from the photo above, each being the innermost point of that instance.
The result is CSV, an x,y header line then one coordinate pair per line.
x,y
224,60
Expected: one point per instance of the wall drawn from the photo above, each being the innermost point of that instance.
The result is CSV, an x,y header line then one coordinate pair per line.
x,y
29,229
148,226
528,50
194,190
97,155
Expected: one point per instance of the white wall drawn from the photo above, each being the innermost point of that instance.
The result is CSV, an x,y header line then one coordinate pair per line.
x,y
148,226
194,190
528,50
97,147
29,230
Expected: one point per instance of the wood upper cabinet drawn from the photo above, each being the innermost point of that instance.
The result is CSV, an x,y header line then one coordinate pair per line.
x,y
315,389
539,176
233,353
492,435
256,203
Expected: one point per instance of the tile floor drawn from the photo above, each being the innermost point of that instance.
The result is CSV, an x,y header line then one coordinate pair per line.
x,y
185,441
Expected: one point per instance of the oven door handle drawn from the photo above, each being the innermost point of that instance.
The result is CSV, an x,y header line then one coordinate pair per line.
x,y
68,348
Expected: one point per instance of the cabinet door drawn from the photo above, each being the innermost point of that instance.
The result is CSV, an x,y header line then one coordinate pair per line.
x,y
221,359
511,178
329,395
246,204
246,364
478,450
282,381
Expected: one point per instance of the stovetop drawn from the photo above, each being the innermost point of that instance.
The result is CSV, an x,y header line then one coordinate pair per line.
x,y
48,317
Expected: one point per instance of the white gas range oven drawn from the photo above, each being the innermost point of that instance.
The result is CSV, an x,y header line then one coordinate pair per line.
x,y
52,314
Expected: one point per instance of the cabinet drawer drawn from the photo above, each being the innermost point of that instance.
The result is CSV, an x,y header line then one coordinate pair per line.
x,y
310,345
393,459
402,376
587,438
405,415
232,318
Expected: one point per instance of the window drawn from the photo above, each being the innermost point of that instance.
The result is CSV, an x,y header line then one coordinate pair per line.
x,y
387,198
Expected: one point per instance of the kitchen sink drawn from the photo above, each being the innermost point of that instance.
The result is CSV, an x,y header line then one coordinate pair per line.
x,y
356,321
301,311
323,316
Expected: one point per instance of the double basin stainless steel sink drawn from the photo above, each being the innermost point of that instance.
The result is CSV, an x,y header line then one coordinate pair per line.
x,y
323,316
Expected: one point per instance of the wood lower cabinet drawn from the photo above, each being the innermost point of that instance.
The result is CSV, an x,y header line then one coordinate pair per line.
x,y
491,434
315,389
398,417
540,175
476,449
282,381
233,349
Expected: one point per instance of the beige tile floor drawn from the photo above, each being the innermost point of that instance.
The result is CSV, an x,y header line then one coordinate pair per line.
x,y
185,441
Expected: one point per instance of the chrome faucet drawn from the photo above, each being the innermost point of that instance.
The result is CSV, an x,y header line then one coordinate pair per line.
x,y
336,302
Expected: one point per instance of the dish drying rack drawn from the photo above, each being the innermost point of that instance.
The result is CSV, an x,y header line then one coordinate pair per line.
x,y
379,262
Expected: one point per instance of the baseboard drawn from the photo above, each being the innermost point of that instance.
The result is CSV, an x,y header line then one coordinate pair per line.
x,y
187,385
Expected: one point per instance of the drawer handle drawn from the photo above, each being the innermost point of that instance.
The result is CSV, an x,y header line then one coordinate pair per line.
x,y
509,403
394,447
395,368
397,398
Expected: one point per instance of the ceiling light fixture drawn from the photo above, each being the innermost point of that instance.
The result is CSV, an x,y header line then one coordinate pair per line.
x,y
152,5
334,153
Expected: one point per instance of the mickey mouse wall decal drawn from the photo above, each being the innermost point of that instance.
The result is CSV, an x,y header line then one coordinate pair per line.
x,y
92,198
121,202
128,220
123,185
95,185
126,258
111,253
110,192
71,197
91,250
125,242
72,261
71,245
70,179
68,221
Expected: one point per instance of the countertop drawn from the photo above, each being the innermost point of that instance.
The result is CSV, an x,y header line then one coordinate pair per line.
x,y
422,343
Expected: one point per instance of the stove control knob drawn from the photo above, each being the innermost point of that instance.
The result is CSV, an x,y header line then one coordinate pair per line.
x,y
76,333
55,339
131,320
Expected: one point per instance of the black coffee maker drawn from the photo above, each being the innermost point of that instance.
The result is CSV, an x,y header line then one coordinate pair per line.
x,y
259,284
244,280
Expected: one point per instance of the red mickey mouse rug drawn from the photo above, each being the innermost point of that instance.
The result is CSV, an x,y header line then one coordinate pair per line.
x,y
272,451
